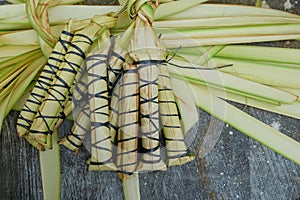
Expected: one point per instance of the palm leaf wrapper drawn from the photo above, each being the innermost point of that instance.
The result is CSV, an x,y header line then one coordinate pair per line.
x,y
132,77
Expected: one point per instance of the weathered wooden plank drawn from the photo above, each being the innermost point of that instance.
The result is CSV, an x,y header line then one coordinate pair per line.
x,y
236,167
240,167
19,165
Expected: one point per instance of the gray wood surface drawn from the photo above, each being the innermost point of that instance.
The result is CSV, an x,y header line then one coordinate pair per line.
x,y
237,168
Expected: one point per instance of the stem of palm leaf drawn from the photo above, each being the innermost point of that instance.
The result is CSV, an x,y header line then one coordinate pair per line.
x,y
50,170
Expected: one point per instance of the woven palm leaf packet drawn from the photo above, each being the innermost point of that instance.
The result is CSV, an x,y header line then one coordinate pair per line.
x,y
132,76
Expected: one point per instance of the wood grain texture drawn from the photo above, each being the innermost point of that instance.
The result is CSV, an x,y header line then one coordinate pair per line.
x,y
237,168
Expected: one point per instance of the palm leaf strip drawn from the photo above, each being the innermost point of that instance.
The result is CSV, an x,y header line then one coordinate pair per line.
x,y
128,122
171,125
